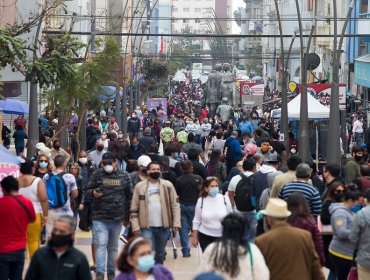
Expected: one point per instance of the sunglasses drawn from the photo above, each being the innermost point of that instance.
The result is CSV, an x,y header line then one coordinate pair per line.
x,y
43,161
339,191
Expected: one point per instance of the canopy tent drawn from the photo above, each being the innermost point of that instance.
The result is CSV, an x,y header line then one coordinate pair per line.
x,y
316,110
9,164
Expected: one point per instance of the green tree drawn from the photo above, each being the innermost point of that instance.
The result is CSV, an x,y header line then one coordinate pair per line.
x,y
180,58
155,73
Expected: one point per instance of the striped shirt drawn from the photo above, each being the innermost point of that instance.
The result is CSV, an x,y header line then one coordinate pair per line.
x,y
310,193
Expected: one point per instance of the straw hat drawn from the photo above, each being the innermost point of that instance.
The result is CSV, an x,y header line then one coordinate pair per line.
x,y
276,208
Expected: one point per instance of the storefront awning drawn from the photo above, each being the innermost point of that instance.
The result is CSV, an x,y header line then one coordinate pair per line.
x,y
362,70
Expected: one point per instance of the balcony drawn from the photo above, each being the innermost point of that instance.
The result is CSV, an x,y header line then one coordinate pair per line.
x,y
324,42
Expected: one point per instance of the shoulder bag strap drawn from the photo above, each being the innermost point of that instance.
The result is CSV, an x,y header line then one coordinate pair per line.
x,y
250,255
23,206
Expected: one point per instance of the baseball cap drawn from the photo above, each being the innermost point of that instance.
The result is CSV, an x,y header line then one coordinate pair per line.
x,y
143,161
109,156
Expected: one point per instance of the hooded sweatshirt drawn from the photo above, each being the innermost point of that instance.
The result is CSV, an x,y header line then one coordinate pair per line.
x,y
341,221
360,236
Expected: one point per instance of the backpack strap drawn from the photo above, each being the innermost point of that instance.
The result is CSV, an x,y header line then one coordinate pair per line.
x,y
250,255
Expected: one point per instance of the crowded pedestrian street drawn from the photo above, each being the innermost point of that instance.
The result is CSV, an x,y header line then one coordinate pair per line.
x,y
184,140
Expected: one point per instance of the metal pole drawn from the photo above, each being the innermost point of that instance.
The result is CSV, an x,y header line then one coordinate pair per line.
x,y
83,132
284,125
303,141
33,128
334,128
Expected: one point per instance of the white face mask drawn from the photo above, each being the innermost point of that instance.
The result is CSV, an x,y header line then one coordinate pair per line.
x,y
83,160
104,137
120,135
108,168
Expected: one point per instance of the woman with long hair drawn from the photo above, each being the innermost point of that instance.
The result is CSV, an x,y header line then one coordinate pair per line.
x,y
34,189
335,194
42,166
136,261
232,256
301,218
215,167
210,209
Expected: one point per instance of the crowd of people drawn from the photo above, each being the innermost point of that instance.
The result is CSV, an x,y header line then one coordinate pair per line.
x,y
230,187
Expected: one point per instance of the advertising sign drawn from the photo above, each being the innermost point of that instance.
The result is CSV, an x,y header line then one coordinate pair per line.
x,y
249,88
153,103
322,93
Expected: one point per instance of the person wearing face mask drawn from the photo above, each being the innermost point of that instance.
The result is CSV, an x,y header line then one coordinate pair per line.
x,y
111,192
59,253
210,210
358,130
352,168
58,150
335,194
341,248
105,140
96,156
133,125
120,148
142,174
157,213
136,261
136,149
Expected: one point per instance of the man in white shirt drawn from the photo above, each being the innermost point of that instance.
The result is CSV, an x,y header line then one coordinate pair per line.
x,y
205,129
249,167
357,130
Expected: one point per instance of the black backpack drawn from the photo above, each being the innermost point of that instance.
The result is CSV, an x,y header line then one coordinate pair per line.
x,y
243,194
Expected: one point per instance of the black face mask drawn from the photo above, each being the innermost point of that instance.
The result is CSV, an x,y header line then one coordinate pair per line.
x,y
155,175
60,240
358,158
100,148
339,197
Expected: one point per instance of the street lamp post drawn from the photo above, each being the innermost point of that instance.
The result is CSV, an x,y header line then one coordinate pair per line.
x,y
304,145
284,125
334,128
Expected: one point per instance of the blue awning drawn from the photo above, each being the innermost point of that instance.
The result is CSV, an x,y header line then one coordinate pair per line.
x,y
362,70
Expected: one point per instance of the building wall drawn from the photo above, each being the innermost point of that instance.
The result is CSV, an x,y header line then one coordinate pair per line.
x,y
224,13
193,13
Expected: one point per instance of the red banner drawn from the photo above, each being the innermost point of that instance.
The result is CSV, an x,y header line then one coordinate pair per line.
x,y
322,92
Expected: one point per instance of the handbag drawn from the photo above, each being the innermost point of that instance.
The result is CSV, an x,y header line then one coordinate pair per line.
x,y
353,273
324,229
85,222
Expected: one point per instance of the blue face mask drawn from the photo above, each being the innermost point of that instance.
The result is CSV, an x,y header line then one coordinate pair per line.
x,y
356,208
43,164
213,191
176,156
145,263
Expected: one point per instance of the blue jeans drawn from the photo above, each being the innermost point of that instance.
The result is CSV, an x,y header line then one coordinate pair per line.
x,y
11,265
121,165
187,216
106,236
358,138
197,139
159,237
251,225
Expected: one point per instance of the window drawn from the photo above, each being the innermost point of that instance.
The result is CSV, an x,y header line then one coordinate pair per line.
x,y
185,21
198,10
175,9
197,20
186,10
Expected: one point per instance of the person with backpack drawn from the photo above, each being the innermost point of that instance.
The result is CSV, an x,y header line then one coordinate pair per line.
x,y
60,186
210,209
240,194
232,151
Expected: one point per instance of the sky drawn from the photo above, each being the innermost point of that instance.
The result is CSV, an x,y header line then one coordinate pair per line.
x,y
236,4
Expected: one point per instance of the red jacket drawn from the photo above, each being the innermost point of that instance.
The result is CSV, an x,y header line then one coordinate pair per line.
x,y
311,226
